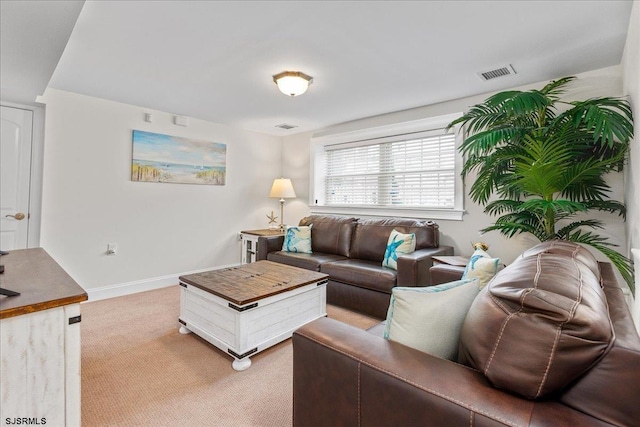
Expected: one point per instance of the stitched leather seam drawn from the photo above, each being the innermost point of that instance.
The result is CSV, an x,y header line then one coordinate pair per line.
x,y
508,318
506,321
580,288
538,273
495,346
551,354
408,381
535,286
576,303
498,302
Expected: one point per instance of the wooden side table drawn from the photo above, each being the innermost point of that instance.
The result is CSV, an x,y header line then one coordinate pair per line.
x,y
460,261
250,242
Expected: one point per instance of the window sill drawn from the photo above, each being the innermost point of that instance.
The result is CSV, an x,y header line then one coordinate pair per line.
x,y
434,214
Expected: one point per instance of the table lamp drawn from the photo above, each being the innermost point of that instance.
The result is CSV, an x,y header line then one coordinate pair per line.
x,y
282,189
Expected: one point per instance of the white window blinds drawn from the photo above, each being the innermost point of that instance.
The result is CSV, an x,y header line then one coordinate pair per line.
x,y
415,170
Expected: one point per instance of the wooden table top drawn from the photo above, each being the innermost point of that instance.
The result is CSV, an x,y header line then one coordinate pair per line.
x,y
252,282
265,232
459,261
42,283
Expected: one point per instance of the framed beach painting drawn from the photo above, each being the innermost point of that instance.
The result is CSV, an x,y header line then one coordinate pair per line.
x,y
173,159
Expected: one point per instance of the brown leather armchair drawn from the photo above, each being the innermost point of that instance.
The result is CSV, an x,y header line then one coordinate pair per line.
x,y
344,376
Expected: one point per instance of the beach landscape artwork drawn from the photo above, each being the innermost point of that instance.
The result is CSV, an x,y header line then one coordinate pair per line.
x,y
173,159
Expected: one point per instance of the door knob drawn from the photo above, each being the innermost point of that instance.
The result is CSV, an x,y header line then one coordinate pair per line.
x,y
19,216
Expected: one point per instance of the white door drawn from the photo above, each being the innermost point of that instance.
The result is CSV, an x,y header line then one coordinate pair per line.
x,y
16,128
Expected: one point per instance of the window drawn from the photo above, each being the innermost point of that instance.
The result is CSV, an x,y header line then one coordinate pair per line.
x,y
416,171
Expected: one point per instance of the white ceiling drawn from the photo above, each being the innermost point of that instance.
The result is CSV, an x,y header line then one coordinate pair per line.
x,y
33,36
214,60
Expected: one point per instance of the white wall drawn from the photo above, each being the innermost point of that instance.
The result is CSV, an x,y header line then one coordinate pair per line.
x,y
295,165
631,70
460,234
162,230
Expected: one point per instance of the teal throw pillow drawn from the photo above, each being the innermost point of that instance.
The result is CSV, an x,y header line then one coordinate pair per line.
x,y
398,243
297,239
430,319
481,266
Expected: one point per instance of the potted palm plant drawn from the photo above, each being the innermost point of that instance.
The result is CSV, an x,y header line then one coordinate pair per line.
x,y
540,163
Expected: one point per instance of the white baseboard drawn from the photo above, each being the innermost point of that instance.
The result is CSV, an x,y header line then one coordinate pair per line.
x,y
122,289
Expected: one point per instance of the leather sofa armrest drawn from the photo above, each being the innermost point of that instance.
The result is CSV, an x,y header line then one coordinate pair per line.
x,y
413,268
268,244
444,273
345,376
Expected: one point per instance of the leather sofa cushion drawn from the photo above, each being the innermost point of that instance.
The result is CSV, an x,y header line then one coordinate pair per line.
x,y
365,274
540,324
330,234
563,247
307,261
371,236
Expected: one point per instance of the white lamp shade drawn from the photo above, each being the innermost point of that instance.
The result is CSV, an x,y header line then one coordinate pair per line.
x,y
282,189
292,83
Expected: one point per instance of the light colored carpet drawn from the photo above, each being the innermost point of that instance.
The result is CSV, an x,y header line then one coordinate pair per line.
x,y
137,370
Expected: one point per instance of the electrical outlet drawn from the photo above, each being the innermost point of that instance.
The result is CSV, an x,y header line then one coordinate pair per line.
x,y
112,248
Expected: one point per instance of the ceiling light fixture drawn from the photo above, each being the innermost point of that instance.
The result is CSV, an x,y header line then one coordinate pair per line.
x,y
292,83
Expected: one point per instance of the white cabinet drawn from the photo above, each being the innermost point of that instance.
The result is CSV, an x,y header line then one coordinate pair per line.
x,y
40,354
250,243
249,248
39,342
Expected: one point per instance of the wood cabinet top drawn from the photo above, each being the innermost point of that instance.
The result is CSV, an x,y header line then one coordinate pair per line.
x,y
264,232
42,283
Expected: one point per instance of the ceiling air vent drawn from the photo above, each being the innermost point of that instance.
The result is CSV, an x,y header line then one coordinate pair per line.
x,y
286,126
498,72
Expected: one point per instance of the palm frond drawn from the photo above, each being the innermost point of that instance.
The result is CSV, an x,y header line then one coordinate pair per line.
x,y
499,207
511,224
559,206
611,206
484,185
584,181
502,109
494,172
540,164
525,103
486,141
480,117
564,232
557,87
610,120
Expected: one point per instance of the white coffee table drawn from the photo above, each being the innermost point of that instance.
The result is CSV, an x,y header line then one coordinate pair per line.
x,y
244,310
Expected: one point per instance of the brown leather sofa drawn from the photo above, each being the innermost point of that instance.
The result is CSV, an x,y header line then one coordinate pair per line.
x,y
547,301
351,250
